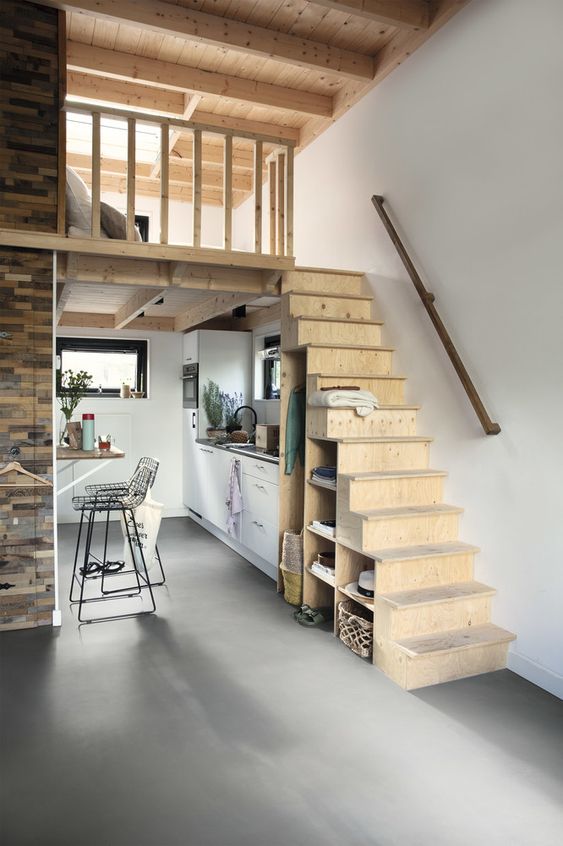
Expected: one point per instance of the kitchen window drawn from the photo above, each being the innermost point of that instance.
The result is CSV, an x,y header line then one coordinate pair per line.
x,y
272,367
110,361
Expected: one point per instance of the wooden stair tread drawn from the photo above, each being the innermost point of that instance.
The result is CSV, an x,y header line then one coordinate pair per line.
x,y
391,474
383,439
356,376
328,319
345,346
436,594
408,511
427,550
328,271
330,295
455,640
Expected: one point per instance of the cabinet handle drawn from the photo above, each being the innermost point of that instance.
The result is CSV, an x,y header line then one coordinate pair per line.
x,y
260,466
202,449
260,525
260,487
189,359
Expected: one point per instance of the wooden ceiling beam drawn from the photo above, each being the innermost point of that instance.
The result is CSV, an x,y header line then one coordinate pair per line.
x,y
135,95
165,101
201,277
64,291
225,33
117,65
192,101
210,308
404,14
136,305
89,320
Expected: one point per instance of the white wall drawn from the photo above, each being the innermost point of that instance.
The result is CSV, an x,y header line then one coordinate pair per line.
x,y
150,426
465,141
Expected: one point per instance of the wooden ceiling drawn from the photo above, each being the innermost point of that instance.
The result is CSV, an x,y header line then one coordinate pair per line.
x,y
282,67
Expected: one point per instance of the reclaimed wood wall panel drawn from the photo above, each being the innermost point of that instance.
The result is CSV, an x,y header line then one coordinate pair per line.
x,y
26,514
29,116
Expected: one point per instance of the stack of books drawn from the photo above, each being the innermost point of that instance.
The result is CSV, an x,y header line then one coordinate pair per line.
x,y
326,526
324,565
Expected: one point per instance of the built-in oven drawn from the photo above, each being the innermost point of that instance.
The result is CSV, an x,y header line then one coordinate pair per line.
x,y
190,385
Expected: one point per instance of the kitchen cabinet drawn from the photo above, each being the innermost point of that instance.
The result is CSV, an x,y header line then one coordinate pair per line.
x,y
190,348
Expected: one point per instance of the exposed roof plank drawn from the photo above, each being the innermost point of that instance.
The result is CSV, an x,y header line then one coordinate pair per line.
x,y
177,21
112,63
405,14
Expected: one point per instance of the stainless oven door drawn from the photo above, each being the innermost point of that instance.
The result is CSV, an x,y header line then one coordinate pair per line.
x,y
190,385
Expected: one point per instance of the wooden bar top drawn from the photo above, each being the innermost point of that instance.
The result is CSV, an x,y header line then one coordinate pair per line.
x,y
68,454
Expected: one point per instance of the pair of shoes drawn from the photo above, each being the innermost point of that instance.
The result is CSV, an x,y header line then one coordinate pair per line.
x,y
307,616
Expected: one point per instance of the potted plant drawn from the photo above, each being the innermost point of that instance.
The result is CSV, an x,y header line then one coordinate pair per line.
x,y
230,405
213,406
71,388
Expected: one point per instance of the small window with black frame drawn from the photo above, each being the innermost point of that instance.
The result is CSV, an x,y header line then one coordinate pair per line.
x,y
111,362
272,367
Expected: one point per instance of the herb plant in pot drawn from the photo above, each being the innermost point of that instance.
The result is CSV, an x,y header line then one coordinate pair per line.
x,y
71,388
230,405
213,407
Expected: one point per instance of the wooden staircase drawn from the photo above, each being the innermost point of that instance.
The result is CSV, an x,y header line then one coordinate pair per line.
x,y
431,619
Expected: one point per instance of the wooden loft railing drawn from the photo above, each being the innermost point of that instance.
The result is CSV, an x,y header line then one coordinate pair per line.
x,y
271,155
427,298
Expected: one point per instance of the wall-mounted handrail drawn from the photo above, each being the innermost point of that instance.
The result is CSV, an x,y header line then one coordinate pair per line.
x,y
427,298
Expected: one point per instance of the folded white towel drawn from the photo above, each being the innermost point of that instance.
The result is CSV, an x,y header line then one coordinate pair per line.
x,y
363,402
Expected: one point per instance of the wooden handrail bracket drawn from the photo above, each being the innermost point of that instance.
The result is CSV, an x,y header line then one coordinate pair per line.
x,y
427,299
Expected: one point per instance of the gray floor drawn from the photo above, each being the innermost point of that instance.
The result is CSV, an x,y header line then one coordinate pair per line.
x,y
220,722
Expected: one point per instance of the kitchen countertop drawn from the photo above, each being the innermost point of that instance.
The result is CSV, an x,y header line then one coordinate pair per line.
x,y
236,449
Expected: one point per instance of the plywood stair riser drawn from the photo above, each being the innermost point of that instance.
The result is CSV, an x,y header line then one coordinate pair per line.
x,y
322,283
389,390
397,623
317,305
344,422
314,330
344,360
373,491
407,573
383,455
413,673
361,532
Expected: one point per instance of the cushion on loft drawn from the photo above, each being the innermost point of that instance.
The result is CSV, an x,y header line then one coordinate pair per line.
x,y
78,201
113,221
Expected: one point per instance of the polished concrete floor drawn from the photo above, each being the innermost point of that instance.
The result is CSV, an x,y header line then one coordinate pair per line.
x,y
219,721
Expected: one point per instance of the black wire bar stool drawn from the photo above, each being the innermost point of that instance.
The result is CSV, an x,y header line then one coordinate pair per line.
x,y
150,465
107,499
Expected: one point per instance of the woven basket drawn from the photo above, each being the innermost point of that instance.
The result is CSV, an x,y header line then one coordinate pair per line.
x,y
354,630
292,586
292,552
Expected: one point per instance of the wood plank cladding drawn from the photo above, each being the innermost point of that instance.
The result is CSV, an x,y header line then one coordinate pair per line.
x,y
29,115
26,514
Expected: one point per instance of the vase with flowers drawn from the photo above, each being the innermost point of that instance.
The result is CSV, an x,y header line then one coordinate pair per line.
x,y
71,388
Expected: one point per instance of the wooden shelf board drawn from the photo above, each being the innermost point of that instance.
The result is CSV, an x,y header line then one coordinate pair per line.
x,y
326,485
321,534
326,579
353,596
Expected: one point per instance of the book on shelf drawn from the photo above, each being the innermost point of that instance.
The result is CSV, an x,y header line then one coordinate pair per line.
x,y
328,527
321,570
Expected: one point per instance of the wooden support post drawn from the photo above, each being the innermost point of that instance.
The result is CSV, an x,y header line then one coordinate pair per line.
x,y
289,203
197,188
131,128
258,152
96,167
272,186
228,191
164,182
61,142
281,204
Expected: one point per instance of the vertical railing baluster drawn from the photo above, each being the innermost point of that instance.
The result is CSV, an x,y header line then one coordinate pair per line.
x,y
258,149
289,203
272,187
281,203
196,188
228,191
164,181
96,174
131,129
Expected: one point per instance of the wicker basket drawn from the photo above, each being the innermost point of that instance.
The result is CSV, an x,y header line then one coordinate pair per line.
x,y
292,586
354,629
292,552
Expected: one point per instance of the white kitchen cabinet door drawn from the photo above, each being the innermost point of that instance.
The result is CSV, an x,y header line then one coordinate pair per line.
x,y
191,348
260,536
261,498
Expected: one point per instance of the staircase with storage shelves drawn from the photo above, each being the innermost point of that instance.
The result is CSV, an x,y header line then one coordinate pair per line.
x,y
431,619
